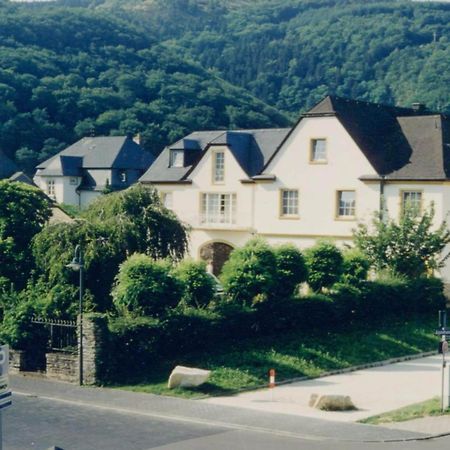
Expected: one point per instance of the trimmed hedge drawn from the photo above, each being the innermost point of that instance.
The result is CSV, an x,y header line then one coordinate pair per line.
x,y
145,343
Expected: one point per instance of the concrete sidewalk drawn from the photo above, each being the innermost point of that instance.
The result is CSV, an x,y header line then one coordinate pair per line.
x,y
373,391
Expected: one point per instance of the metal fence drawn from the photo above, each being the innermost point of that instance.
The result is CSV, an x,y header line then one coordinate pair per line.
x,y
61,334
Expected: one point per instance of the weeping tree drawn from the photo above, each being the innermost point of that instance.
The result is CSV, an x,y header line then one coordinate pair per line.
x,y
112,228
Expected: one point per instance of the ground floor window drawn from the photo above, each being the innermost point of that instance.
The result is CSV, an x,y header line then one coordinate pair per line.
x,y
346,203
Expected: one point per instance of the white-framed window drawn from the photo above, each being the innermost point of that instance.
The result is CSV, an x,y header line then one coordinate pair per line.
x,y
289,202
346,204
413,201
219,167
123,176
318,150
73,181
176,158
51,188
218,208
167,199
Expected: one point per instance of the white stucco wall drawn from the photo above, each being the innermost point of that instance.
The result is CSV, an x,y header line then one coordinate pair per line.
x,y
317,184
87,197
187,198
65,191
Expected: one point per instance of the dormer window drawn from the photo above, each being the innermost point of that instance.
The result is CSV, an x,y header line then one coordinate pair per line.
x,y
219,167
318,151
176,158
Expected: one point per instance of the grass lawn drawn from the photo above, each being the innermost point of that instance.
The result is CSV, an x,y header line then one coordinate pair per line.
x,y
245,364
424,409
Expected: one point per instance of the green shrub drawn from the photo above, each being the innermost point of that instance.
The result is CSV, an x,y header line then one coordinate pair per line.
x,y
248,275
325,265
197,284
134,343
18,331
355,266
145,287
290,271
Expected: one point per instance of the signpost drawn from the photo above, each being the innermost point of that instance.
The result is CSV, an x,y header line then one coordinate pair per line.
x,y
443,348
5,393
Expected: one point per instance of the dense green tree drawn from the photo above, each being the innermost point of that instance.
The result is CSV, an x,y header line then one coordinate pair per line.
x,y
290,271
197,284
247,276
112,228
24,210
145,287
411,246
325,265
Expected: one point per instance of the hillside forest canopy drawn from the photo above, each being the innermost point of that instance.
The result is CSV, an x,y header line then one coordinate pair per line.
x,y
165,68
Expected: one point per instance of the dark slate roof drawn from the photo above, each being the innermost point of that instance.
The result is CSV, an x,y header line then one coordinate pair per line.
x,y
399,143
112,152
251,148
22,177
7,166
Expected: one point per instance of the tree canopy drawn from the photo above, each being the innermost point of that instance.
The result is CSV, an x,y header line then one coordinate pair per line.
x,y
23,212
411,246
69,73
112,228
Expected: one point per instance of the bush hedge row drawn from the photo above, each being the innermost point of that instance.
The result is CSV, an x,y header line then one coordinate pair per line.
x,y
145,343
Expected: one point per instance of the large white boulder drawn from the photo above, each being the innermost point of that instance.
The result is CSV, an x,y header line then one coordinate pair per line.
x,y
332,402
183,376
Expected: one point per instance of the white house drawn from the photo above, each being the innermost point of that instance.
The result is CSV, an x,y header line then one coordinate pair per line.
x,y
316,180
81,172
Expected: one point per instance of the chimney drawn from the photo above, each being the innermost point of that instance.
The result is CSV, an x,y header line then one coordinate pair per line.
x,y
137,139
419,107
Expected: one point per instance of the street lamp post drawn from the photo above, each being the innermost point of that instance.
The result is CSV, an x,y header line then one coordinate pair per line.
x,y
78,265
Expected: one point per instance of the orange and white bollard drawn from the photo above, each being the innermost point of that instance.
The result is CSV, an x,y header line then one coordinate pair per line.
x,y
271,382
271,378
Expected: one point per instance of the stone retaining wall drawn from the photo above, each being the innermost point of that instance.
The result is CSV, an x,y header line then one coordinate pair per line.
x,y
26,361
62,366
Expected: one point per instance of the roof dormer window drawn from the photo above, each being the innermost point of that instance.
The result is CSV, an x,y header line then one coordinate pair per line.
x,y
176,158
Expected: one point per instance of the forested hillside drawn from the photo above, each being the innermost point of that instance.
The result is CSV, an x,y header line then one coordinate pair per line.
x,y
65,74
167,67
290,53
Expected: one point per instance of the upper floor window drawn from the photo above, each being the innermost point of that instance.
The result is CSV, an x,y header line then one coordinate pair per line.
x,y
318,150
412,200
289,202
73,181
219,167
123,176
51,188
176,158
218,208
167,199
346,204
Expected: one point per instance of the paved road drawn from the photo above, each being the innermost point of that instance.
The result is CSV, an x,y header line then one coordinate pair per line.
x,y
48,413
36,423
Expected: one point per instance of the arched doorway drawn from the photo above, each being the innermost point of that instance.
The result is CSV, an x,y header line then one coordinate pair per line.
x,y
216,254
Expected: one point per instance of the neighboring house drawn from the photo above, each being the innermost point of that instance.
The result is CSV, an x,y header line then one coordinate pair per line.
x,y
58,214
91,166
338,165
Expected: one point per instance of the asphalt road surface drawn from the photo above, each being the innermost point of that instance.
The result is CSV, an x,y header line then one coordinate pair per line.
x,y
40,423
